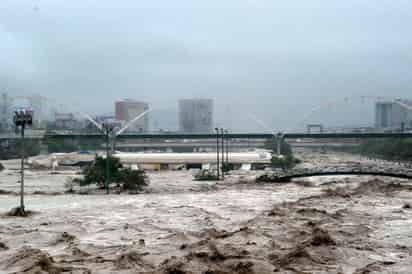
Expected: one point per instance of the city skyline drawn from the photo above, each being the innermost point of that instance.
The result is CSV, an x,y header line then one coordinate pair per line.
x,y
292,55
172,116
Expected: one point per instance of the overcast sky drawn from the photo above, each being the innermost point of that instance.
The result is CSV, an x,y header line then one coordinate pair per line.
x,y
274,60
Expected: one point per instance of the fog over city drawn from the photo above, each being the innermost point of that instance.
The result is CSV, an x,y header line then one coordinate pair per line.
x,y
275,60
206,137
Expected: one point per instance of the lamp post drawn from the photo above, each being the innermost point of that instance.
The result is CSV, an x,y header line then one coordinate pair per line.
x,y
217,153
22,118
227,148
108,132
222,133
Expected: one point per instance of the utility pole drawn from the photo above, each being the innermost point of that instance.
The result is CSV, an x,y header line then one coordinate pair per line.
x,y
223,152
217,153
107,163
227,148
22,170
22,117
107,130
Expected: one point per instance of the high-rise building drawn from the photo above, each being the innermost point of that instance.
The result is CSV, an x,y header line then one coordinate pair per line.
x,y
5,111
196,115
393,114
129,109
66,121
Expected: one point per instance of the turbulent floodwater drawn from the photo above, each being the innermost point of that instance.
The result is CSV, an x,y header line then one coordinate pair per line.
x,y
328,225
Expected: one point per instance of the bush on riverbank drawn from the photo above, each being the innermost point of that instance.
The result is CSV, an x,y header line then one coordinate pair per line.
x,y
133,180
285,148
284,161
125,179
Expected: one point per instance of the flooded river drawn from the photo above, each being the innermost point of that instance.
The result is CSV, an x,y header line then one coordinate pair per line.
x,y
329,225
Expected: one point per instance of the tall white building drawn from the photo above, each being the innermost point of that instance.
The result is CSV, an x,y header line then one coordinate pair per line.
x,y
393,114
128,109
196,115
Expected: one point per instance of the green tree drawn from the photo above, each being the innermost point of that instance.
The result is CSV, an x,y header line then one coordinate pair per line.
x,y
125,178
271,144
96,172
132,180
284,161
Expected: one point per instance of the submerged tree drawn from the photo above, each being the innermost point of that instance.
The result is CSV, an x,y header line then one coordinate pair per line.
x,y
96,172
284,161
132,180
124,178
285,148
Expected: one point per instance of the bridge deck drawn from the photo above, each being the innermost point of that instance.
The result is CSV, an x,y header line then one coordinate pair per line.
x,y
213,136
287,178
243,136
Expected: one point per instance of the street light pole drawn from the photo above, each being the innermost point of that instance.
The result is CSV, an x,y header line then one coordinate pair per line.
x,y
22,170
227,148
22,117
223,152
217,153
108,129
107,162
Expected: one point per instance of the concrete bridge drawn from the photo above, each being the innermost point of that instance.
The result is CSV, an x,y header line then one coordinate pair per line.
x,y
235,144
174,136
286,176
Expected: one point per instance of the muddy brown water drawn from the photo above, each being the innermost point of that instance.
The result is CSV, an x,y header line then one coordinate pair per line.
x,y
329,225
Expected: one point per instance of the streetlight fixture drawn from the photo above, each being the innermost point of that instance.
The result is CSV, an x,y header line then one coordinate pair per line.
x,y
217,153
22,117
